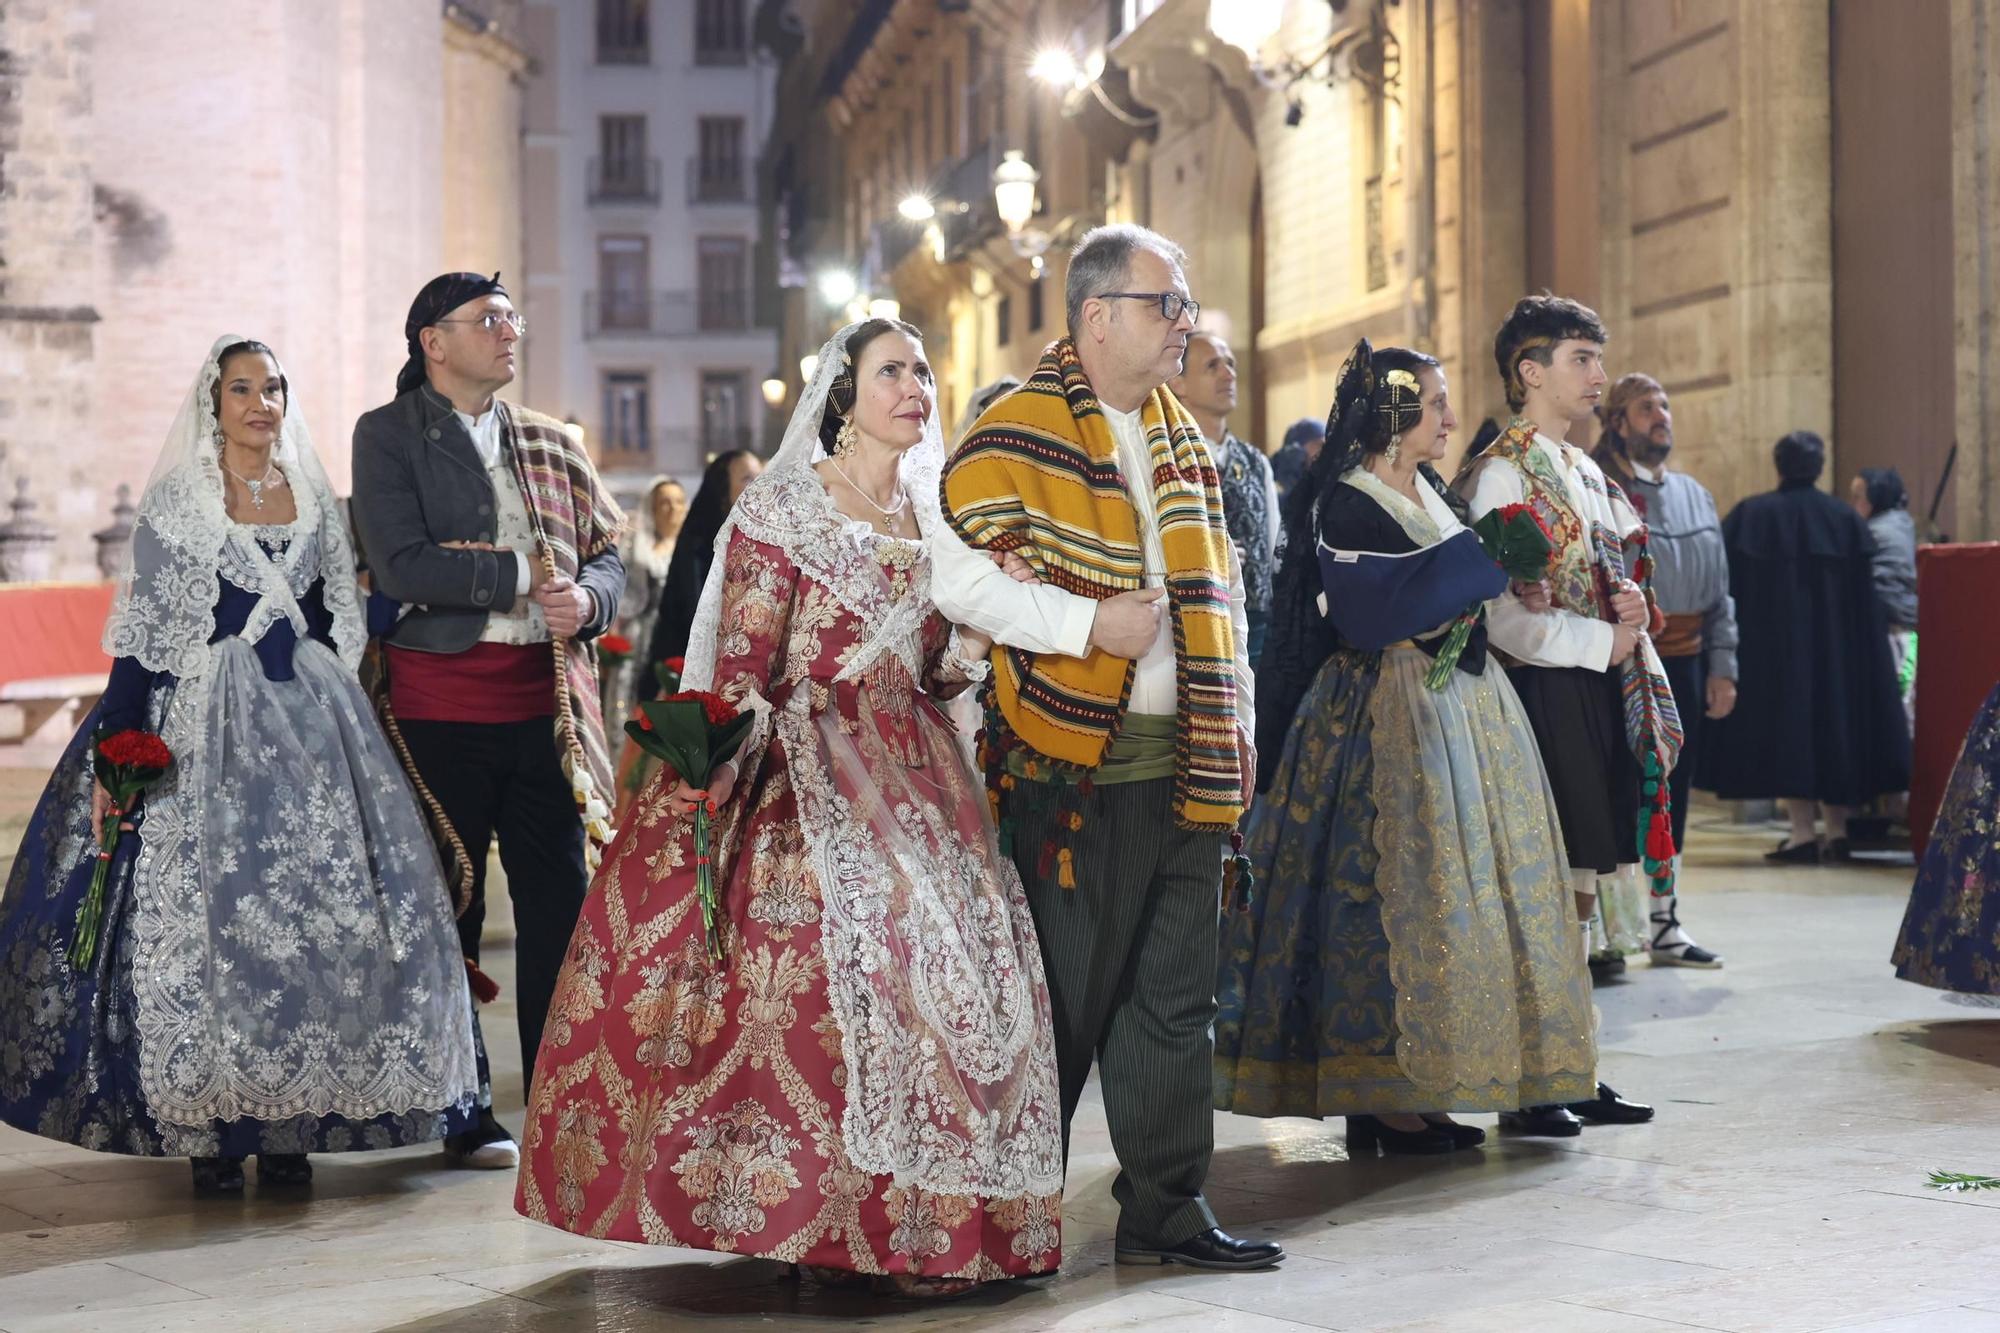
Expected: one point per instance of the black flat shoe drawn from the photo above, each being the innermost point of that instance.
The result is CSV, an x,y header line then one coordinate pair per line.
x,y
1795,854
1462,1136
217,1175
283,1168
1608,1108
1838,850
1213,1248
1541,1122
1366,1133
1604,966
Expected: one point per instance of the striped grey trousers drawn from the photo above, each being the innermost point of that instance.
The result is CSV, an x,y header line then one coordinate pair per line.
x,y
1130,954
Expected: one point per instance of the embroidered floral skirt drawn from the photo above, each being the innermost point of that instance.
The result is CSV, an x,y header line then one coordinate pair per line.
x,y
1411,945
723,1107
1950,938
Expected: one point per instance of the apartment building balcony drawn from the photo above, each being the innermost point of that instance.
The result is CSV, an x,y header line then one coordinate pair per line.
x,y
717,182
666,314
634,180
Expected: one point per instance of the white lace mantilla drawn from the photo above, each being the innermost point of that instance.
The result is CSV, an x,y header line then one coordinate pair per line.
x,y
294,951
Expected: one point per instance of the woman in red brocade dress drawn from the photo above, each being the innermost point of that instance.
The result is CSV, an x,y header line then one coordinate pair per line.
x,y
866,1083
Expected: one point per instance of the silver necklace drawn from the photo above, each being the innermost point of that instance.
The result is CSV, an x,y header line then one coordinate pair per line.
x,y
256,487
902,496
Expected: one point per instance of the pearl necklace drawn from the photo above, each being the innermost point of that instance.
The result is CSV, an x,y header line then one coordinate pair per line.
x,y
888,514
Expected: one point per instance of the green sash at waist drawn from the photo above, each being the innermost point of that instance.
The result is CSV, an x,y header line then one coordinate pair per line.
x,y
1142,750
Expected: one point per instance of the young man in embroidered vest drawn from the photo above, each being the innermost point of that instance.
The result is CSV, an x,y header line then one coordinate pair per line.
x,y
1120,715
1206,387
1588,678
488,524
1691,588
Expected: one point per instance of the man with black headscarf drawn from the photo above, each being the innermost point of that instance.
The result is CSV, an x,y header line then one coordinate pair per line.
x,y
1697,644
488,523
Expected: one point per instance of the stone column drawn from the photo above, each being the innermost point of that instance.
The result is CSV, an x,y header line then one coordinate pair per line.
x,y
1975,151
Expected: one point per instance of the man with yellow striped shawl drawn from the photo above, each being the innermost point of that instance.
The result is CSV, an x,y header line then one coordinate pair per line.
x,y
1119,715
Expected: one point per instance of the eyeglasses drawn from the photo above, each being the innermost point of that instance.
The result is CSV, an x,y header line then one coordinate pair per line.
x,y
492,320
1171,304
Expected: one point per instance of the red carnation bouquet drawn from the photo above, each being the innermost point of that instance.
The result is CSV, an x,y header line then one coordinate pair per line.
x,y
693,733
1516,540
126,764
615,649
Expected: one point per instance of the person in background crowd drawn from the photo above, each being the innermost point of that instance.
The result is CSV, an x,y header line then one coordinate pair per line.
x,y
694,551
1206,386
649,551
1295,456
1877,494
1819,721
1691,586
982,398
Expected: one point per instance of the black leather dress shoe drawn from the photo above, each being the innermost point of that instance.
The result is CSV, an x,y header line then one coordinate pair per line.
x,y
1542,1122
1608,1108
1213,1248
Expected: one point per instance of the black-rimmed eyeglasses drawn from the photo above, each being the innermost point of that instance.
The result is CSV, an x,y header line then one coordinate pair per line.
x,y
1171,304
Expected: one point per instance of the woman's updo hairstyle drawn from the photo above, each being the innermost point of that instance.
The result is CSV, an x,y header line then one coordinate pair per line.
x,y
840,394
1377,398
239,349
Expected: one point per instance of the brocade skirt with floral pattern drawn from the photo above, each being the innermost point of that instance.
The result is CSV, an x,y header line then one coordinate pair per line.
x,y
1951,930
1412,943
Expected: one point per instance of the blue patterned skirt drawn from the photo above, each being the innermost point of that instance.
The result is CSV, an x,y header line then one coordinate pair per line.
x,y
69,1044
1412,944
1951,929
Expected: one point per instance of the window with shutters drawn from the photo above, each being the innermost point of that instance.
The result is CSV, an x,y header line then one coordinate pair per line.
x,y
718,166
627,414
720,33
722,297
624,32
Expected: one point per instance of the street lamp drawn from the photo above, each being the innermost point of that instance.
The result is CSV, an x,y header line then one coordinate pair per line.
x,y
916,208
808,364
1014,182
774,390
1056,67
885,309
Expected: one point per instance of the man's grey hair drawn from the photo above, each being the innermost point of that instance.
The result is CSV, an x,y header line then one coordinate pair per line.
x,y
1102,262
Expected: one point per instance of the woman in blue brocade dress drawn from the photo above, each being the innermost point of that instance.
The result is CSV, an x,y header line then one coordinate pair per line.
x,y
1950,938
277,971
1411,948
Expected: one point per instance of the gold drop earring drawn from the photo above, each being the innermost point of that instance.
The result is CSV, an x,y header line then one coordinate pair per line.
x,y
1394,452
843,443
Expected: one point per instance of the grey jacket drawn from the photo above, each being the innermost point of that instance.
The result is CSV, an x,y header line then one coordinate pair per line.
x,y
418,482
1895,566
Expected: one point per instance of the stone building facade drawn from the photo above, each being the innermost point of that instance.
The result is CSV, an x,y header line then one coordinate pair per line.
x,y
1783,208
295,183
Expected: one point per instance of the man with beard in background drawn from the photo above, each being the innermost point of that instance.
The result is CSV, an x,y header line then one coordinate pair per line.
x,y
1691,588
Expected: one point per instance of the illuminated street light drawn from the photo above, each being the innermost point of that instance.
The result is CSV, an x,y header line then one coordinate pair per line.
x,y
1056,67
917,209
774,390
808,364
1246,24
885,309
837,286
1014,183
